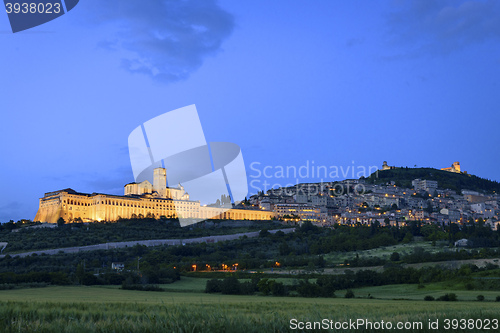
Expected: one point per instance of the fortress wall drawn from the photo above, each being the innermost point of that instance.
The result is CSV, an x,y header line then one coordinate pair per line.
x,y
49,211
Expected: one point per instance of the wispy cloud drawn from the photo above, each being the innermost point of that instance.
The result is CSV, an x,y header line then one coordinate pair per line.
x,y
442,27
166,40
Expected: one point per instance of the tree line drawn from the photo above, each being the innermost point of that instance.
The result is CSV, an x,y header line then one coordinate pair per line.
x,y
327,285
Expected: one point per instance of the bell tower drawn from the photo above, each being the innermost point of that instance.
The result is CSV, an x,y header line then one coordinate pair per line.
x,y
160,182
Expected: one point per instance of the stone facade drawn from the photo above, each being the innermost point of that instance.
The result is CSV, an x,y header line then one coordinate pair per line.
x,y
140,199
455,167
385,166
71,205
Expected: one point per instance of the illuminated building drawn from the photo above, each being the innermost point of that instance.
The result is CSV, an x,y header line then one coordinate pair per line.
x,y
387,167
146,199
455,167
303,211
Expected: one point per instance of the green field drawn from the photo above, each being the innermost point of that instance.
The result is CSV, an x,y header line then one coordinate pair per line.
x,y
388,292
187,284
382,252
412,292
105,309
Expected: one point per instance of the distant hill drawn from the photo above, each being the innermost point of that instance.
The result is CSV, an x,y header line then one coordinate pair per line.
x,y
446,180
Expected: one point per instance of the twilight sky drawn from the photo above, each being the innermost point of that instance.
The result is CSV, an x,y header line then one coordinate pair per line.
x,y
293,83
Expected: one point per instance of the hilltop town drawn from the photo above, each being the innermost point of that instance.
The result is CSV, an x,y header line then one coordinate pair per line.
x,y
386,200
390,196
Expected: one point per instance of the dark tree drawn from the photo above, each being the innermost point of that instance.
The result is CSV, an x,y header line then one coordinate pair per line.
x,y
395,256
60,222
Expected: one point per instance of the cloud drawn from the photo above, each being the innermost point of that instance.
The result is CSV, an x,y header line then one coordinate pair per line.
x,y
442,27
166,40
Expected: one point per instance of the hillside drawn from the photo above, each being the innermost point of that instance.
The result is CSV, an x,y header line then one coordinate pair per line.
x,y
446,180
78,234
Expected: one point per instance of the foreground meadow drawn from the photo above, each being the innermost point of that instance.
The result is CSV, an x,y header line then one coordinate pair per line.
x,y
98,309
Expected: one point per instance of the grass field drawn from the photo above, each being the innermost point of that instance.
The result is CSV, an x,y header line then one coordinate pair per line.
x,y
383,252
388,292
105,309
412,292
197,285
187,284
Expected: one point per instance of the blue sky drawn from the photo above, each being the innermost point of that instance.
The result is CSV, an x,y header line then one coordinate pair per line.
x,y
340,83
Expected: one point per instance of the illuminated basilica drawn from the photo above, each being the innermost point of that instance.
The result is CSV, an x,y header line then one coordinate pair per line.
x,y
146,199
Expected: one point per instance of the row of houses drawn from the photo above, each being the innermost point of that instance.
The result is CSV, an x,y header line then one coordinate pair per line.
x,y
322,204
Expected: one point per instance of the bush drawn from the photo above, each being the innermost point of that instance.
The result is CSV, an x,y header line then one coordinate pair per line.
x,y
7,286
497,299
278,289
113,278
451,297
264,233
146,287
88,279
327,284
264,286
408,238
395,256
428,298
231,286
480,298
213,286
308,289
247,288
349,294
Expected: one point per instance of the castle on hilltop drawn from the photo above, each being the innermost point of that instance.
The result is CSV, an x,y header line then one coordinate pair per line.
x,y
387,167
455,167
140,199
